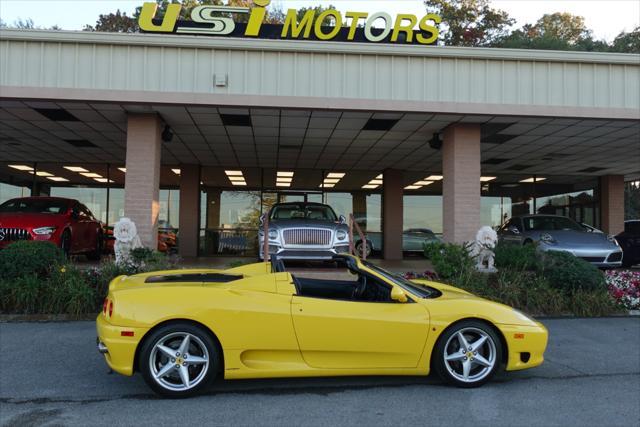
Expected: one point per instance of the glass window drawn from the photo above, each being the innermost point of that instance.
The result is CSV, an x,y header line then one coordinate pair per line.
x,y
303,211
169,215
8,191
341,203
95,199
542,223
38,206
423,212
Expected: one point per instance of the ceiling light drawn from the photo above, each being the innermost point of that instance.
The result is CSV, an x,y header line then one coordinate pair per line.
x,y
286,174
533,179
433,178
369,186
335,175
123,170
379,176
21,167
487,178
283,184
176,171
233,173
327,185
239,182
376,181
103,180
57,178
91,175
423,183
236,178
412,187
281,179
331,180
75,169
41,173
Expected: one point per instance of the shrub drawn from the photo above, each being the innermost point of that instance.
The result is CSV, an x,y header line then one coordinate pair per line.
x,y
518,257
28,257
452,262
27,293
624,288
569,273
145,259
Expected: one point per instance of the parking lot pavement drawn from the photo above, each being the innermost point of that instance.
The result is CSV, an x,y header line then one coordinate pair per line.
x,y
51,374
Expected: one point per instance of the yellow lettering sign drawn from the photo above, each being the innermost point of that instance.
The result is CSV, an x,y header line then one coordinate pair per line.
x,y
407,28
169,20
292,25
336,28
355,18
433,30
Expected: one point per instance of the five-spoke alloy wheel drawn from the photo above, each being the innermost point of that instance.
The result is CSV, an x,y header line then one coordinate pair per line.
x,y
468,354
179,359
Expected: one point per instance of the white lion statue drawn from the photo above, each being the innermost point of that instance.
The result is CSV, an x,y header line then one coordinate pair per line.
x,y
482,249
127,239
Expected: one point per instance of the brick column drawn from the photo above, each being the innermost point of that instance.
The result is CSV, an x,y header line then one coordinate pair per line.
x,y
189,210
612,204
461,185
142,180
392,214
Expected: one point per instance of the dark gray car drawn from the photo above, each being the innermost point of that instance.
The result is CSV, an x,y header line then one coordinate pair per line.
x,y
559,233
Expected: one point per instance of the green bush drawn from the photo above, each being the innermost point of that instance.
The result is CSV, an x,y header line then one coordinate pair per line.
x,y
145,259
451,262
27,293
518,257
28,257
569,273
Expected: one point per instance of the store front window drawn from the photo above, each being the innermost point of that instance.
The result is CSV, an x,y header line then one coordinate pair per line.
x,y
8,191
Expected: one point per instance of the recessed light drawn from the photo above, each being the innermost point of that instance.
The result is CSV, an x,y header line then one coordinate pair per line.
x,y
487,178
91,175
41,173
412,187
176,171
123,170
533,179
379,176
238,183
283,184
327,185
286,174
370,186
236,178
433,178
376,181
423,183
331,180
21,167
57,178
233,173
283,179
75,169
103,180
335,175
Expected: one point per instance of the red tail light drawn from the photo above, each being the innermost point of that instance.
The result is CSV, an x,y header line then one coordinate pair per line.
x,y
104,305
110,308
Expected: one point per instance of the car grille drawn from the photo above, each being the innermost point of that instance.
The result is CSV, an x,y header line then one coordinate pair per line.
x,y
13,234
307,236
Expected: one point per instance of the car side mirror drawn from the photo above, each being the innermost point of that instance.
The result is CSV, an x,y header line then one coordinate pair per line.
x,y
398,295
343,220
514,230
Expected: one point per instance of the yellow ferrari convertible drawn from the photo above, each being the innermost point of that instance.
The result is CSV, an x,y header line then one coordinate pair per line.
x,y
182,329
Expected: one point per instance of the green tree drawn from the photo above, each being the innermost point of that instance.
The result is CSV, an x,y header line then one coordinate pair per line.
x,y
317,11
627,42
117,22
469,22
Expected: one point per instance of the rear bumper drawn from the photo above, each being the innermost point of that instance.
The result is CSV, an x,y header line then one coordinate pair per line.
x,y
119,351
525,345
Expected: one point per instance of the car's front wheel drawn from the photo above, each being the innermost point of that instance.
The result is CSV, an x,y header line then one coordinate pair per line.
x,y
468,354
179,360
363,248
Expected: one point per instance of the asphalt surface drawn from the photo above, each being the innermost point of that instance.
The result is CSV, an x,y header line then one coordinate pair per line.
x,y
51,374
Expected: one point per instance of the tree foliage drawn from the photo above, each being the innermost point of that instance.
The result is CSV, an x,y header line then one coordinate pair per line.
x,y
117,22
469,22
627,42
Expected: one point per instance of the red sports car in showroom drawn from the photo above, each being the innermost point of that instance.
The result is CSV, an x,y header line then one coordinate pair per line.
x,y
65,222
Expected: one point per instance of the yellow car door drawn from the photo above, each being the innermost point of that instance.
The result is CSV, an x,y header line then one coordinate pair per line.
x,y
353,334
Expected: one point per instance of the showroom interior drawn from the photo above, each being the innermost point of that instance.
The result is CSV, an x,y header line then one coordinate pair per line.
x,y
203,136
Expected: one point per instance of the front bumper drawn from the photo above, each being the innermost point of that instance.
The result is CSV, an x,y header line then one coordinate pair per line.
x,y
525,345
119,351
599,257
300,252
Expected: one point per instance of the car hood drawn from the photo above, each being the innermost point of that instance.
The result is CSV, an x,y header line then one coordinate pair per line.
x,y
579,238
305,223
31,220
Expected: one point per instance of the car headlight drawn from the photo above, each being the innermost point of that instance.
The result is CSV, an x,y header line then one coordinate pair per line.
x,y
341,235
44,231
273,235
548,239
523,316
613,240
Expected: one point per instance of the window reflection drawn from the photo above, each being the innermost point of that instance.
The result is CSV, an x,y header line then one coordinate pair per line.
x,y
8,191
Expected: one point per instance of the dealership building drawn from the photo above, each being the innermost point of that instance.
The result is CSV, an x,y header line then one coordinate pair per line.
x,y
203,134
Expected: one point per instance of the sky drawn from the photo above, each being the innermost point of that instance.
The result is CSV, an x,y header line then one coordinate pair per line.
x,y
607,18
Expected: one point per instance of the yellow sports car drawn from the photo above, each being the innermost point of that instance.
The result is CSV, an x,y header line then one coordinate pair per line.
x,y
182,329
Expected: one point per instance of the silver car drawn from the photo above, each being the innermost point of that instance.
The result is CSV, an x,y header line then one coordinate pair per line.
x,y
559,233
304,231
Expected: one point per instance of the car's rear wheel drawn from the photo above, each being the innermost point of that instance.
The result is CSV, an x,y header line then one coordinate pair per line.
x,y
363,248
468,354
179,360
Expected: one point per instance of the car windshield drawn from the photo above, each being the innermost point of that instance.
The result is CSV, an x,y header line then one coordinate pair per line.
x,y
34,206
417,289
303,211
549,223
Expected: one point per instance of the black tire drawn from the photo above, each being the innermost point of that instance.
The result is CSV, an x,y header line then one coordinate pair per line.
x,y
65,243
171,336
359,249
452,372
96,254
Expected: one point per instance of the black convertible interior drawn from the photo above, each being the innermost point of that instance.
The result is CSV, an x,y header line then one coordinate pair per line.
x,y
363,288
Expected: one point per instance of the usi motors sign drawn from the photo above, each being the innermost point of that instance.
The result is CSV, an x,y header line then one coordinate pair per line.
x,y
213,20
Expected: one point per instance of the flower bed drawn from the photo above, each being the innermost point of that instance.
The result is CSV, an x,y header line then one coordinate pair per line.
x,y
624,287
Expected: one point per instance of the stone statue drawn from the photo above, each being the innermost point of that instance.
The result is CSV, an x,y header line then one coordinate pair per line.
x,y
127,239
482,249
